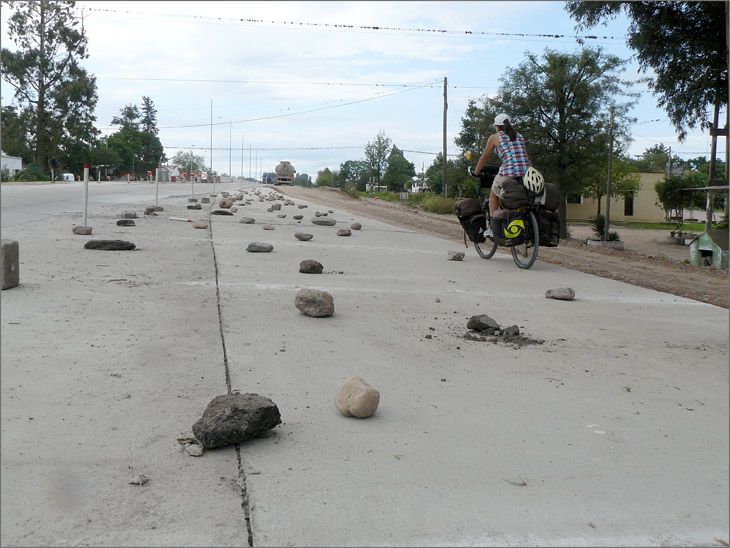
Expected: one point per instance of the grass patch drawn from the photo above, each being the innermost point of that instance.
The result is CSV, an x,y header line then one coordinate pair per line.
x,y
695,227
439,204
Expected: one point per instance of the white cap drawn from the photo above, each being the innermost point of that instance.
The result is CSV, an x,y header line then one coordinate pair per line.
x,y
500,119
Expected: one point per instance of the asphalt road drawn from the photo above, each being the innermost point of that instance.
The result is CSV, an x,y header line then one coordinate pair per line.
x,y
612,431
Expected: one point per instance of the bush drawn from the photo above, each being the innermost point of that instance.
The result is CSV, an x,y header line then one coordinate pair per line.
x,y
32,172
439,204
469,188
353,193
599,225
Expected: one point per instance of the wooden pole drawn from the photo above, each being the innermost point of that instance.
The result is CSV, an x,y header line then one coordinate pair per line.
x,y
608,185
446,106
713,162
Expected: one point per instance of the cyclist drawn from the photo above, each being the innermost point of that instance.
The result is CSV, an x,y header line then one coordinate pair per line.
x,y
510,147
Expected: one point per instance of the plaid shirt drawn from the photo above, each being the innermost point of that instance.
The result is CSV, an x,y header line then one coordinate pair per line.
x,y
513,155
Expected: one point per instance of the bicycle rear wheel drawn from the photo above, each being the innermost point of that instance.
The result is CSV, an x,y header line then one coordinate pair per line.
x,y
525,254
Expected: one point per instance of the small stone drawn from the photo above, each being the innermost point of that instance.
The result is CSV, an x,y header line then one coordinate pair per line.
x,y
482,322
281,215
195,206
270,210
200,224
344,232
158,208
456,255
324,222
221,212
310,266
247,220
276,207
150,210
301,206
205,200
303,236
85,230
561,294
314,303
234,418
297,217
234,209
268,227
110,245
193,200
355,226
259,247
225,194
194,449
129,215
356,398
125,222
510,332
139,479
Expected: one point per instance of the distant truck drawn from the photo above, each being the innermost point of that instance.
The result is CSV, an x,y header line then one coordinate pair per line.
x,y
285,173
268,178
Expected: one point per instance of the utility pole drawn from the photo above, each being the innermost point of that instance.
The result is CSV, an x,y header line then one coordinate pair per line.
x,y
713,162
211,144
241,157
249,160
608,186
230,130
446,106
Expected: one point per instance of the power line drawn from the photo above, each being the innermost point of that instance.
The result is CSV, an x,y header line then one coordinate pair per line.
x,y
341,26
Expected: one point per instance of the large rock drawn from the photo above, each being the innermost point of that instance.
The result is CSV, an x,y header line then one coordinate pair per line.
x,y
456,255
323,222
344,232
482,322
259,247
314,302
355,226
357,398
561,293
247,220
110,245
221,212
303,236
234,418
310,266
195,206
86,230
125,222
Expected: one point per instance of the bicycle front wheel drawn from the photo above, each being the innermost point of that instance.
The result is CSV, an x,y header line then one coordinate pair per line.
x,y
487,248
525,254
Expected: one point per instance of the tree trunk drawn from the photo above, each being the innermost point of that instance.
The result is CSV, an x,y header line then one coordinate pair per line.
x,y
41,136
563,212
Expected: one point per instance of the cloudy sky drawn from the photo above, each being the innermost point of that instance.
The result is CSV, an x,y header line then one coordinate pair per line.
x,y
287,84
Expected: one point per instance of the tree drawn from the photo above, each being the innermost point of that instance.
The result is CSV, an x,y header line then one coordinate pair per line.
x,y
654,159
669,192
624,181
13,134
684,44
456,172
325,177
399,173
55,96
148,122
376,154
185,159
301,179
477,125
356,171
560,103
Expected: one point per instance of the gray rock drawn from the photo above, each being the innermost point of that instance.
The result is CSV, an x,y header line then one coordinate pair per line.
x,y
270,210
456,255
129,215
220,212
314,303
85,230
125,222
109,245
268,227
247,220
297,217
195,206
158,208
205,200
225,194
276,207
510,332
193,200
139,479
482,322
324,222
355,226
200,224
303,236
344,232
281,215
561,294
317,214
150,210
234,209
259,247
301,206
310,266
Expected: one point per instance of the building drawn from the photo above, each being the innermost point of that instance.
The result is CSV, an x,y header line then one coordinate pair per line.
x,y
13,164
641,206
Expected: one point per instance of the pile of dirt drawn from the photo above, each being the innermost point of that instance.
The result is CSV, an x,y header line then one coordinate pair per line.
x,y
705,284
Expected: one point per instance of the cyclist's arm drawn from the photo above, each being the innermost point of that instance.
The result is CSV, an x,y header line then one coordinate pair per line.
x,y
491,145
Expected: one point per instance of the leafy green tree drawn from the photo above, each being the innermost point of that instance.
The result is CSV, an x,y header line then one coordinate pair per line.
x,y
325,177
357,171
129,118
13,134
376,154
399,172
148,121
682,44
560,103
477,125
669,192
55,97
456,171
653,160
184,159
624,181
301,179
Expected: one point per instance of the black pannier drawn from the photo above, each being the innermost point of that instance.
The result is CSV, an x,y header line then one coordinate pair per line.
x,y
512,230
549,223
513,194
472,219
552,197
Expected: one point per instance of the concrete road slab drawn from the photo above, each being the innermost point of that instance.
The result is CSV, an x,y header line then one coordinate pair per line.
x,y
612,431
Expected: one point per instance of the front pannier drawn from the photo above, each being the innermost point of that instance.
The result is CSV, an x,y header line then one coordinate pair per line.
x,y
472,219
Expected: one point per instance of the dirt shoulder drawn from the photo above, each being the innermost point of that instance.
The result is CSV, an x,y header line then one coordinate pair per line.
x,y
634,265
